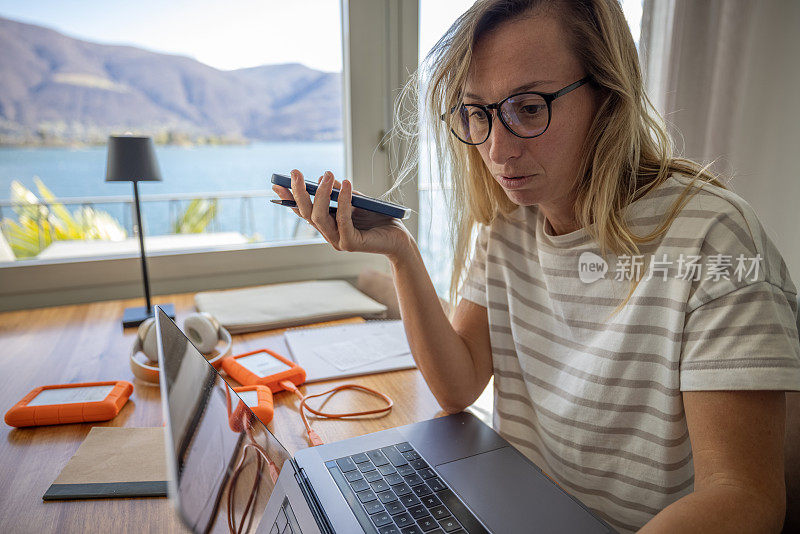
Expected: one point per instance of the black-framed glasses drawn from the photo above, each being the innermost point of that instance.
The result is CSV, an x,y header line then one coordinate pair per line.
x,y
525,115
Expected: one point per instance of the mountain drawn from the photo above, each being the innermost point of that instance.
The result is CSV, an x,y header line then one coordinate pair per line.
x,y
54,87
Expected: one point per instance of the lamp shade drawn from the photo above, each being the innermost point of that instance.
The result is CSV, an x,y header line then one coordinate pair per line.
x,y
131,159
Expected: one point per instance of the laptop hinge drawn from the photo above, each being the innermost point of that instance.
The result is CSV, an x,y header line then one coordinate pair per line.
x,y
311,498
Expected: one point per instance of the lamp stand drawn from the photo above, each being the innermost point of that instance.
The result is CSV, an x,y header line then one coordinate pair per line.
x,y
137,315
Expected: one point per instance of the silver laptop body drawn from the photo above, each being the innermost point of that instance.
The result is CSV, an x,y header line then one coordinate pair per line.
x,y
228,473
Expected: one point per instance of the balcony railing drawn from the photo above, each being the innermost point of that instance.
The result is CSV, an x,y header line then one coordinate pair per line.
x,y
245,212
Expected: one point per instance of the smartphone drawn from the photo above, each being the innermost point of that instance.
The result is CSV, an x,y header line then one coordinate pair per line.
x,y
359,201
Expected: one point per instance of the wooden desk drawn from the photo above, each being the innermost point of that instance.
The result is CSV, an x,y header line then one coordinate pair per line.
x,y
86,343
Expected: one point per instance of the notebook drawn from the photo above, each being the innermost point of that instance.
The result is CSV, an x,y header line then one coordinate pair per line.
x,y
350,350
284,305
114,462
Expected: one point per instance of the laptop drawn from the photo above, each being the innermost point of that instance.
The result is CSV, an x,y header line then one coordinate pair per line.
x,y
228,473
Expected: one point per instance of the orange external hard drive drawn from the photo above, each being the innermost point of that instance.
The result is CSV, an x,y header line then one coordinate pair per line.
x,y
70,403
265,368
258,399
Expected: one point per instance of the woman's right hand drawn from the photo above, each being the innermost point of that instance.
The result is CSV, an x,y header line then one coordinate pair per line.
x,y
352,229
456,366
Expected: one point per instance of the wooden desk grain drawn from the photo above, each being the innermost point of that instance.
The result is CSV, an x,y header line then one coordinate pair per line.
x,y
86,343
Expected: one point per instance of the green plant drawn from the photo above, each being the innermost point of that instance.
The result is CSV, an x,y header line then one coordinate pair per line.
x,y
40,222
196,217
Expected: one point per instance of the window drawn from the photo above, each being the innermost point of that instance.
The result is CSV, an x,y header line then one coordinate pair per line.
x,y
225,99
300,116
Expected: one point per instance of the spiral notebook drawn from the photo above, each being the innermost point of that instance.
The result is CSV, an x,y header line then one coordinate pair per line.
x,y
350,350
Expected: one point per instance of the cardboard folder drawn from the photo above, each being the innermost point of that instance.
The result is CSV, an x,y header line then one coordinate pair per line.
x,y
114,462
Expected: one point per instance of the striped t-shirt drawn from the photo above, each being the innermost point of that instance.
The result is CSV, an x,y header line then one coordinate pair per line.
x,y
594,400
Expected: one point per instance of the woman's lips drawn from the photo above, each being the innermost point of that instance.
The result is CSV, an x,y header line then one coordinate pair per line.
x,y
515,183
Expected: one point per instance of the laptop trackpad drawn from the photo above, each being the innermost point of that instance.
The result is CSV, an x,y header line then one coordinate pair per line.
x,y
510,495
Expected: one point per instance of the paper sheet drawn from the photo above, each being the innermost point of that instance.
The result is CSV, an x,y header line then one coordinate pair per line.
x,y
373,347
350,347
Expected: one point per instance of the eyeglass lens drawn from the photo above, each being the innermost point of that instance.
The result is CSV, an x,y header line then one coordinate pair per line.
x,y
526,115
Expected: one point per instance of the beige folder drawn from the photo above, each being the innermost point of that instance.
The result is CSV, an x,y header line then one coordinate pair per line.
x,y
284,305
114,462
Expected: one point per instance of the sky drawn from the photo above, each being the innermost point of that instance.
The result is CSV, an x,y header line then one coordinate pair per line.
x,y
227,35
232,34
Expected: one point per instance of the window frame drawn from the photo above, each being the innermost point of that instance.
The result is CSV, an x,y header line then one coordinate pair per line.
x,y
377,37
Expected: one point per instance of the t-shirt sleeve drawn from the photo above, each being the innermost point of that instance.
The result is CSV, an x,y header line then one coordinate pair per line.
x,y
740,330
474,286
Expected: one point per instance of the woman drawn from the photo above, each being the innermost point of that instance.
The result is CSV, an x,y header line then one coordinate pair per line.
x,y
631,359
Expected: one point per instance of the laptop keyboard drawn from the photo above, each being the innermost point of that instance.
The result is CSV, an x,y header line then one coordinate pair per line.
x,y
393,490
286,522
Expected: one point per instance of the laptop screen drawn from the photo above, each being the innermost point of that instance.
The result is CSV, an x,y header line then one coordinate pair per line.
x,y
223,462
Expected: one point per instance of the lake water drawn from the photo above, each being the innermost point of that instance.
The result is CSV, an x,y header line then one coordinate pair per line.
x,y
74,173
81,172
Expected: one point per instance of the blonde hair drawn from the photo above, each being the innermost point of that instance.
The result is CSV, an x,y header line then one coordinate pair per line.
x,y
627,151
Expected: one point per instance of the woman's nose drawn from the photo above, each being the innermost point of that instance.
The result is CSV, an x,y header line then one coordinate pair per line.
x,y
502,144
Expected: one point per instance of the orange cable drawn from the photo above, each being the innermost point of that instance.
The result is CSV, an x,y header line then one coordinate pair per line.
x,y
313,436
247,514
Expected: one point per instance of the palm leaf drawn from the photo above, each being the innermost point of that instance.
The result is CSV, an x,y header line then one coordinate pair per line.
x,y
196,218
40,223
62,216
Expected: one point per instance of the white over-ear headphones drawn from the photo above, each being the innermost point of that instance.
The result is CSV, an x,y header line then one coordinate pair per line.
x,y
202,329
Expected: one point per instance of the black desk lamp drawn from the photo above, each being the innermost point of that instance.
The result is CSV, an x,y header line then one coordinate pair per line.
x,y
133,159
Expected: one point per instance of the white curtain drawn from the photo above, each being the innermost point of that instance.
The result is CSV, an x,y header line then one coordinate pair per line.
x,y
725,76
